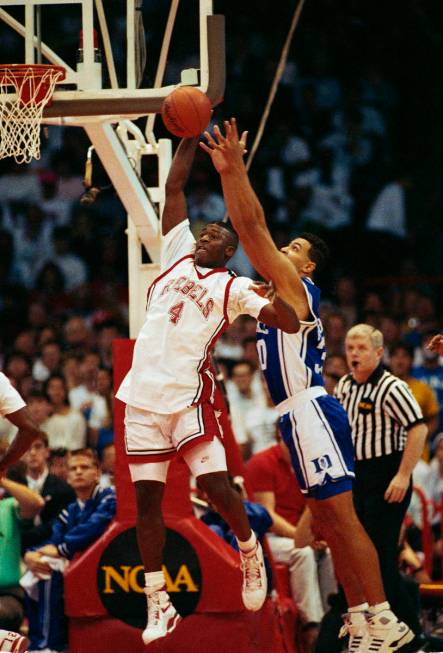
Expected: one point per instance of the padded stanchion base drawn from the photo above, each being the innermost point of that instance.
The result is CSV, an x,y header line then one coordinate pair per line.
x,y
244,632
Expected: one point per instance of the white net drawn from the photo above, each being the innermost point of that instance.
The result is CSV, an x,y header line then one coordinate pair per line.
x,y
21,112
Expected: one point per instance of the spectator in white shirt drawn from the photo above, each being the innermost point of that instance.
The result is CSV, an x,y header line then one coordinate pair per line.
x,y
49,361
66,427
85,398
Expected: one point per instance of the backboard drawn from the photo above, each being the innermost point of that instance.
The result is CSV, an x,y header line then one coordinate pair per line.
x,y
93,88
101,44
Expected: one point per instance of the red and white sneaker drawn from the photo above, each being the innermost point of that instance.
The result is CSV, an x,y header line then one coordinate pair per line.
x,y
255,582
12,642
386,633
162,617
356,626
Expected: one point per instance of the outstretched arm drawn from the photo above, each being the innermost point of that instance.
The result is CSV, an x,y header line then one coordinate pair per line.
x,y
175,201
247,216
27,432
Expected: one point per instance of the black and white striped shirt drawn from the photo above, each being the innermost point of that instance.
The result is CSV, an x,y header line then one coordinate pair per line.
x,y
380,412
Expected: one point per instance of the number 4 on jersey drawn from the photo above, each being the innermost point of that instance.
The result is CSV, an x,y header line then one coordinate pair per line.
x,y
175,312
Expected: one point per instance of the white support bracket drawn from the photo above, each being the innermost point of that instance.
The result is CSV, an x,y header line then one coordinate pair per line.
x,y
127,184
120,154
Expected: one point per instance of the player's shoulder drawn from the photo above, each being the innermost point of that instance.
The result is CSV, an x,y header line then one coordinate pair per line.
x,y
239,284
177,230
392,385
4,381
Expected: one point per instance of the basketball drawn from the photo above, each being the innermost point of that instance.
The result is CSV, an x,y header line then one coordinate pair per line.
x,y
186,112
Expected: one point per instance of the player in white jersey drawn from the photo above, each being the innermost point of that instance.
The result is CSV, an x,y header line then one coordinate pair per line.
x,y
313,424
168,391
13,407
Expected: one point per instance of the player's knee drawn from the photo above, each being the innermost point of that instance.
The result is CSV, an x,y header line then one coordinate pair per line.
x,y
149,495
218,489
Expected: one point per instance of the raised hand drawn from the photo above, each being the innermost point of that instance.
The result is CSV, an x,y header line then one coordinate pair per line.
x,y
264,289
226,151
436,344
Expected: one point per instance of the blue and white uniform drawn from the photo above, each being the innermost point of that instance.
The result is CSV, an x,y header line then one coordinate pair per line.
x,y
313,424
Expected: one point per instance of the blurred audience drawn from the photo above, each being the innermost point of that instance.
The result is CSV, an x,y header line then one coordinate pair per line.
x,y
75,528
66,427
55,491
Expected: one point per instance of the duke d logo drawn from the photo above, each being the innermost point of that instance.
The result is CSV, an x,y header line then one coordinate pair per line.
x,y
120,577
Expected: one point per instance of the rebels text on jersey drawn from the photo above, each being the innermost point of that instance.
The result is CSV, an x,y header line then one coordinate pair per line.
x,y
188,308
292,362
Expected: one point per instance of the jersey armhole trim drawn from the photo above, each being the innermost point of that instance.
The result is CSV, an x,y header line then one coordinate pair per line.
x,y
226,299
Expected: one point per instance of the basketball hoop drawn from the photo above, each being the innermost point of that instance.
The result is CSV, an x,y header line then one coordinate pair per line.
x,y
21,113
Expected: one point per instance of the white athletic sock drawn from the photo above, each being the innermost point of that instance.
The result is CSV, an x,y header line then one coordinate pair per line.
x,y
248,547
154,581
375,610
363,607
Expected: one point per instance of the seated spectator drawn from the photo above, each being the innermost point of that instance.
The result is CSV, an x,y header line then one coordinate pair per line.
x,y
107,465
85,398
48,362
17,502
39,408
77,335
259,519
335,331
71,370
260,424
400,363
346,294
311,571
334,368
242,399
56,492
75,529
66,427
17,366
107,332
105,390
58,463
25,343
431,372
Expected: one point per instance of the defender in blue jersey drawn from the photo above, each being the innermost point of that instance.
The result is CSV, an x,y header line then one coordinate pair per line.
x,y
314,425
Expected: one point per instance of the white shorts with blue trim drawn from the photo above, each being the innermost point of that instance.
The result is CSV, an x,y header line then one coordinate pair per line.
x,y
316,430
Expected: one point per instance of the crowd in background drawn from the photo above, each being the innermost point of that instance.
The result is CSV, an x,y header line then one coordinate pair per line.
x,y
348,153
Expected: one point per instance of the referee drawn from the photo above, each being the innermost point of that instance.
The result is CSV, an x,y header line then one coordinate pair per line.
x,y
389,434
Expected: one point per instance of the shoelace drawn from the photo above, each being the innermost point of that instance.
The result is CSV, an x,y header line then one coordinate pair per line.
x,y
251,568
155,608
355,640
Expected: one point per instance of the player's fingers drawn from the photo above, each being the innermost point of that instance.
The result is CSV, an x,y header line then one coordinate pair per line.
x,y
210,139
219,135
204,147
233,123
